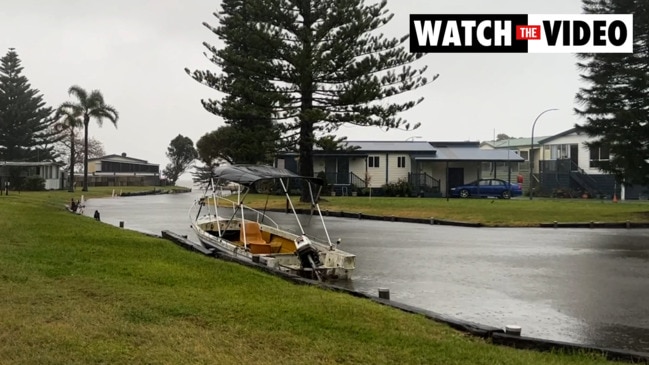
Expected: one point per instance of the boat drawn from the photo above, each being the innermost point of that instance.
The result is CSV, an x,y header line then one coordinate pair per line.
x,y
222,222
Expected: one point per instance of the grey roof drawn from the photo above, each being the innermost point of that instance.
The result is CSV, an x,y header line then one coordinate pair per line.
x,y
515,142
432,151
116,156
392,146
471,154
30,163
544,140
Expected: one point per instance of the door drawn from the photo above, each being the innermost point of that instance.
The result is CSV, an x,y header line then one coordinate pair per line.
x,y
343,170
574,156
330,170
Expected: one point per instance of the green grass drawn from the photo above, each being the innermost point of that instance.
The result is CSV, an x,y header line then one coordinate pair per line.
x,y
77,291
514,212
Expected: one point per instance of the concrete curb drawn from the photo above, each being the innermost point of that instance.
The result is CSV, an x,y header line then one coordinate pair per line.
x,y
447,222
494,334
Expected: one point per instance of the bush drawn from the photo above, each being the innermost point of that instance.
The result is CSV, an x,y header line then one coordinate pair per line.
x,y
33,183
400,188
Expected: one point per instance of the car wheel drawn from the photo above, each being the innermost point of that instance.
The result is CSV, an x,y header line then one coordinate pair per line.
x,y
464,193
506,194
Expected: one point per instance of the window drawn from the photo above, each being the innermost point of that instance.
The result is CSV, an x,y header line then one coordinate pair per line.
x,y
524,154
599,156
373,161
560,151
401,161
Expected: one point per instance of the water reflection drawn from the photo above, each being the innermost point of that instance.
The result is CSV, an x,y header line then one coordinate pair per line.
x,y
580,285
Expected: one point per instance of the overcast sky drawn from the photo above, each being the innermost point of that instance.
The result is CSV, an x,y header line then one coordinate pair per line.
x,y
135,52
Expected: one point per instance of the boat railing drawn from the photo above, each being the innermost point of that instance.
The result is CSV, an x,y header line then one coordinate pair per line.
x,y
259,215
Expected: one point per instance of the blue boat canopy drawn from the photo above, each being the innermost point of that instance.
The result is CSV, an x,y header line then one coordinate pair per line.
x,y
249,174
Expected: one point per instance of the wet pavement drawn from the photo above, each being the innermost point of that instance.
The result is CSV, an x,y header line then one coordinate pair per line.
x,y
588,286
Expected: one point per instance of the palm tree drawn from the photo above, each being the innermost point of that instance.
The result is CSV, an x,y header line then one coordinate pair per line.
x,y
90,106
69,118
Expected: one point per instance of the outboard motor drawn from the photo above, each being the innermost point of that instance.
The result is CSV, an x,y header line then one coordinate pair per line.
x,y
308,255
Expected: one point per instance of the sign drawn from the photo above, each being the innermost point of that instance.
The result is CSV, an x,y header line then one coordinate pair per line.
x,y
521,33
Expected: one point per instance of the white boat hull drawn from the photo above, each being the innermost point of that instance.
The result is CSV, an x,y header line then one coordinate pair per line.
x,y
335,264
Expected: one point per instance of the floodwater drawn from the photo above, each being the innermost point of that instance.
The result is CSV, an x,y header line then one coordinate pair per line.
x,y
587,286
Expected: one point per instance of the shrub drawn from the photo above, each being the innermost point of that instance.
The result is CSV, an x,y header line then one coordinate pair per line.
x,y
400,188
33,183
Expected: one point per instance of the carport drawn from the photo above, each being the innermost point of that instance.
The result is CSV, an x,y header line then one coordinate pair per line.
x,y
456,163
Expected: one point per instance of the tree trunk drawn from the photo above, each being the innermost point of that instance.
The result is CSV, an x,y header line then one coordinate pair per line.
x,y
305,165
86,121
307,121
72,152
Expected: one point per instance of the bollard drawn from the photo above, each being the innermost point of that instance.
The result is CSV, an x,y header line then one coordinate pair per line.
x,y
513,330
432,220
121,224
628,224
556,224
360,215
384,293
592,224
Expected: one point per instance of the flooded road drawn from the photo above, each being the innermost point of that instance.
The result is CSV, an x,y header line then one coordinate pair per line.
x,y
589,286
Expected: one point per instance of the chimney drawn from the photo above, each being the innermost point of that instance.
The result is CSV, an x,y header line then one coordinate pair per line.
x,y
123,154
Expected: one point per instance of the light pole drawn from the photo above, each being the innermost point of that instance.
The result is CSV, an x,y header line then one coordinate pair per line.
x,y
531,154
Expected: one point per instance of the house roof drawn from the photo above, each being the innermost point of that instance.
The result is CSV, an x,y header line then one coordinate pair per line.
x,y
559,135
453,153
122,157
391,146
429,151
30,163
514,142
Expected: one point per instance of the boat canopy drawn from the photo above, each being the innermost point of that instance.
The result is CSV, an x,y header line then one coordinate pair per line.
x,y
249,174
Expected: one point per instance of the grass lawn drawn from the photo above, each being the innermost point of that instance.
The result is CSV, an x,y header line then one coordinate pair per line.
x,y
77,291
491,212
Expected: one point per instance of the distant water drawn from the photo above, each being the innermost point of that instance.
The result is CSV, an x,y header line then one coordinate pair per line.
x,y
187,183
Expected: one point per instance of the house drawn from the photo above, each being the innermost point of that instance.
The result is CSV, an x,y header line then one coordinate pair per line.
x,y
120,170
565,166
49,171
570,166
520,146
430,168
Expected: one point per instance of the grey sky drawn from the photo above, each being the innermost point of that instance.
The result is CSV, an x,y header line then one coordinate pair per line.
x,y
135,52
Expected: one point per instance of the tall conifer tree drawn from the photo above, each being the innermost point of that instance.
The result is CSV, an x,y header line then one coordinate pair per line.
x,y
26,132
313,65
615,103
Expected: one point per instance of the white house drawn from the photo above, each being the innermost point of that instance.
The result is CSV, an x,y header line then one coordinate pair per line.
x,y
430,168
565,166
49,171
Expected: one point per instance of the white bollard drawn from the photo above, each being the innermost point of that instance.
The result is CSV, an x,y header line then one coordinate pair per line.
x,y
513,330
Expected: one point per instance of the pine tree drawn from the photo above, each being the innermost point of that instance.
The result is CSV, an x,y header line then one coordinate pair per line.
x,y
26,132
615,103
247,107
314,65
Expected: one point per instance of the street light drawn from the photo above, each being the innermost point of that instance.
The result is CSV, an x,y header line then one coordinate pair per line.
x,y
412,139
531,154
